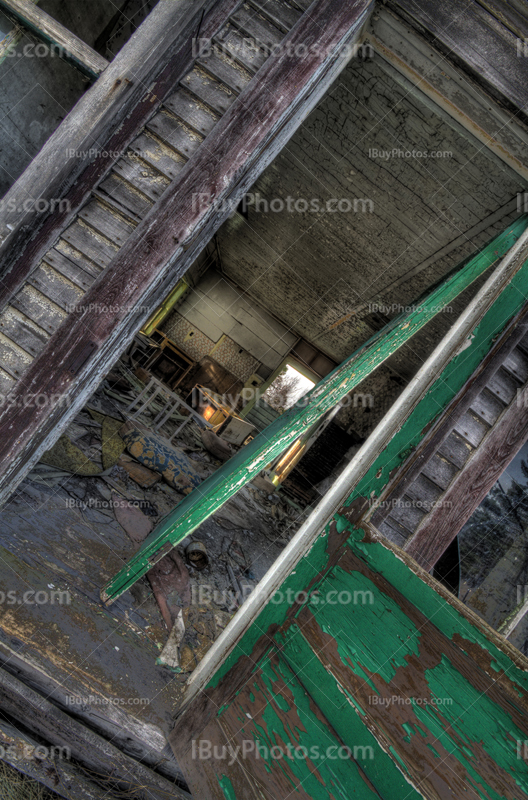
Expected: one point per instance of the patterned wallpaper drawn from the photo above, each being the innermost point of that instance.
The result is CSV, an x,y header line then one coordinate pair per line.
x,y
197,345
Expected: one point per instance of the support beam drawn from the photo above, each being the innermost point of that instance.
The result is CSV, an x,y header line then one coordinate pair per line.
x,y
316,547
471,485
254,457
413,59
432,442
86,749
64,43
164,245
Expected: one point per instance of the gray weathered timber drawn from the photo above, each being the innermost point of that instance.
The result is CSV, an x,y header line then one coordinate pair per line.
x,y
65,43
168,240
59,730
84,143
446,84
484,46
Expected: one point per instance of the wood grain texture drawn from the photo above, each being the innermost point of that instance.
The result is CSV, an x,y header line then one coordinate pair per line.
x,y
294,423
102,124
489,409
471,485
66,43
481,43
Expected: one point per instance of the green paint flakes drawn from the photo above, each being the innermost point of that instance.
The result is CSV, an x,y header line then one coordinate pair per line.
x,y
369,628
215,490
398,759
433,751
480,734
303,746
446,617
227,788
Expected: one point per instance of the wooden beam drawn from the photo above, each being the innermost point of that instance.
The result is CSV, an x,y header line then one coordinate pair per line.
x,y
168,240
476,40
415,464
414,59
64,43
251,459
49,723
471,485
46,197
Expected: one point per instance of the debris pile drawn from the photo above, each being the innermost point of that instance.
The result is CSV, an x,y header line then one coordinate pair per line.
x,y
134,476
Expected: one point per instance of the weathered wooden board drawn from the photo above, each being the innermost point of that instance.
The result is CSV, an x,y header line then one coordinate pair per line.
x,y
424,683
478,40
307,566
192,112
237,45
65,43
256,25
124,197
475,396
147,180
282,14
471,485
82,277
175,133
91,245
17,326
63,732
153,151
210,91
225,69
73,160
176,230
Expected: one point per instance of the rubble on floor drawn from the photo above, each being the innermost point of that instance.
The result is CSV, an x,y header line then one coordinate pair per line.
x,y
134,490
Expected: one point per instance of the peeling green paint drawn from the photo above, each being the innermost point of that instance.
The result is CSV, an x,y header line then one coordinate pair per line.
x,y
446,618
344,714
227,788
307,751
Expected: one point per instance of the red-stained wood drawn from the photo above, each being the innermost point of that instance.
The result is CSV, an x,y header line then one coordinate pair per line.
x,y
170,237
471,485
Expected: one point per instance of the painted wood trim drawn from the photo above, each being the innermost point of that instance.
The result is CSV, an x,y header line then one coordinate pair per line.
x,y
168,240
477,40
471,485
409,471
65,43
84,146
265,447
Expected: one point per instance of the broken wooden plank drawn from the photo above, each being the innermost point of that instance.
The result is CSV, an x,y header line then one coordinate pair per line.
x,y
64,42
